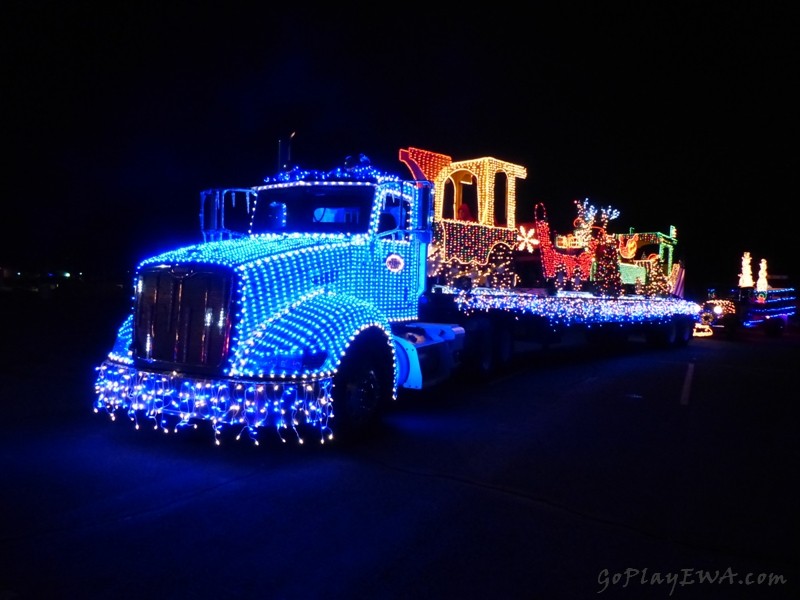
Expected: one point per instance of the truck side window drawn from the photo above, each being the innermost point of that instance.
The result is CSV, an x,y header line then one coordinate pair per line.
x,y
394,215
386,222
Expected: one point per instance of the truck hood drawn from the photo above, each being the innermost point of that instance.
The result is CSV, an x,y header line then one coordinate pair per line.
x,y
243,251
274,288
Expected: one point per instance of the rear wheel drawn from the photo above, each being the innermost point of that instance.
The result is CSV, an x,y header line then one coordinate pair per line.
x,y
611,336
673,334
773,327
478,350
731,327
363,385
662,335
503,343
684,331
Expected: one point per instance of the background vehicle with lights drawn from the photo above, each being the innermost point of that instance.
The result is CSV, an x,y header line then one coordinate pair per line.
x,y
341,287
753,304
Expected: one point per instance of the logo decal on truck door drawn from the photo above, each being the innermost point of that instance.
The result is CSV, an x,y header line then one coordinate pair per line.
x,y
395,263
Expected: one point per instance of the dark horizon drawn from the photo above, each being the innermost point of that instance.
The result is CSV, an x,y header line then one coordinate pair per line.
x,y
119,121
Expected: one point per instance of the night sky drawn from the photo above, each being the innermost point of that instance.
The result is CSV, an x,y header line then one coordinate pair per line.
x,y
117,117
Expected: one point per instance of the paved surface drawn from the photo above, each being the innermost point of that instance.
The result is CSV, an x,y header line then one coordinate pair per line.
x,y
574,475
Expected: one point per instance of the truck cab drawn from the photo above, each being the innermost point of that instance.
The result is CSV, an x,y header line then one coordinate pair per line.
x,y
268,326
732,311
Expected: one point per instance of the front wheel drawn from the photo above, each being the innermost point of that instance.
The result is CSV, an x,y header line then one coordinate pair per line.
x,y
363,385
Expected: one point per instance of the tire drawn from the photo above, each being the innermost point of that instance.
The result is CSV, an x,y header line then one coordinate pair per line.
x,y
502,344
608,337
675,333
363,385
684,331
663,335
773,327
730,327
480,353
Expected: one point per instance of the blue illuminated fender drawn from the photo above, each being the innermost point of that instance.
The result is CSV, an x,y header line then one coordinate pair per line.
x,y
121,351
308,339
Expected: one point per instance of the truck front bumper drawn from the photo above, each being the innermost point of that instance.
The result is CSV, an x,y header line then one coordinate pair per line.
x,y
172,401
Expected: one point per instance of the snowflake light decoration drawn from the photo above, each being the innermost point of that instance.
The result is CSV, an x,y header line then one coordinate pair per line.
x,y
527,239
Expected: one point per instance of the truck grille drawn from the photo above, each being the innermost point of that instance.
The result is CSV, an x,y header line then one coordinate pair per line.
x,y
183,316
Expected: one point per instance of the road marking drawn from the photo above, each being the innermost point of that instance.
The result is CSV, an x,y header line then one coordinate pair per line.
x,y
687,384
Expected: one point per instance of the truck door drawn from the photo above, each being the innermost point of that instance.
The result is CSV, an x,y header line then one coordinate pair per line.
x,y
397,262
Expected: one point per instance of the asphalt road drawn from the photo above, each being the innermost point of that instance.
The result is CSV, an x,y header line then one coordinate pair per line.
x,y
576,474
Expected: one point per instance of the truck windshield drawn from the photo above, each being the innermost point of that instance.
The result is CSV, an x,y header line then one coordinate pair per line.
x,y
313,208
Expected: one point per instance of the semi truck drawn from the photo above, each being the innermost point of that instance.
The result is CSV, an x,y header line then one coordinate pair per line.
x,y
328,292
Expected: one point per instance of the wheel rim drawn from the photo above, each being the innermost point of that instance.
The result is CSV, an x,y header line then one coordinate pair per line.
x,y
362,397
363,385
